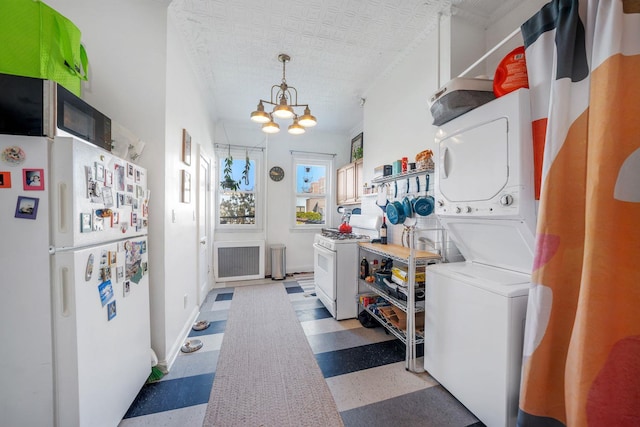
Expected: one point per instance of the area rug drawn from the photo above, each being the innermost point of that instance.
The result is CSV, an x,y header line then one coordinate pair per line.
x,y
267,374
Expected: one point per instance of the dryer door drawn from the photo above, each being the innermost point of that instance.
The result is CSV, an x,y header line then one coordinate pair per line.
x,y
474,162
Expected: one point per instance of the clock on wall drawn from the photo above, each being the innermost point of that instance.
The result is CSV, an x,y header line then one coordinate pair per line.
x,y
276,173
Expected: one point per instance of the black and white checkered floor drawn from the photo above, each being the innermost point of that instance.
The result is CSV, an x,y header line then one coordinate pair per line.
x,y
364,369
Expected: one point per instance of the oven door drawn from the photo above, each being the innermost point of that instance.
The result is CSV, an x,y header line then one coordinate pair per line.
x,y
324,271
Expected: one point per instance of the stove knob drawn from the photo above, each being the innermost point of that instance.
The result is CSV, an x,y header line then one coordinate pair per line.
x,y
440,203
468,209
458,209
506,200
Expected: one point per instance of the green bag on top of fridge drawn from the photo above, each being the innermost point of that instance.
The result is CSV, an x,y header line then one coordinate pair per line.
x,y
37,41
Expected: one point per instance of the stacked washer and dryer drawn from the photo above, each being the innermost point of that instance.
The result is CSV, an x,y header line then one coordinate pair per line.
x,y
475,310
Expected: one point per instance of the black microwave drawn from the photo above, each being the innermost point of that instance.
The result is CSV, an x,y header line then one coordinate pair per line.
x,y
36,107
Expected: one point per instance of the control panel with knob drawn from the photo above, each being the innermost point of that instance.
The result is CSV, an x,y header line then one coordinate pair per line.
x,y
458,209
506,200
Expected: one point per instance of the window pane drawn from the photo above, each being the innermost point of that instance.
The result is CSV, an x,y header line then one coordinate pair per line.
x,y
248,182
310,210
311,179
237,208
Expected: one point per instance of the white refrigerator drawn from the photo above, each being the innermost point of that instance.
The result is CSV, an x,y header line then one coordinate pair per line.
x,y
75,336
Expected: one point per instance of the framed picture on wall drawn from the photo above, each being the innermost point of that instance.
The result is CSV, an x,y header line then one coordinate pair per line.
x,y
356,148
186,147
186,187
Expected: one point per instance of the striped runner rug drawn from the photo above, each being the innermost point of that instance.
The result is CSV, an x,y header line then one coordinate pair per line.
x,y
267,374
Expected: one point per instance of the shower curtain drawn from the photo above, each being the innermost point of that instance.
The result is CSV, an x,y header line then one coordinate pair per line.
x,y
581,363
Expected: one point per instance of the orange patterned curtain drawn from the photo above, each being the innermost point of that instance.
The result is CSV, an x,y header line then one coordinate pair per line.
x,y
582,342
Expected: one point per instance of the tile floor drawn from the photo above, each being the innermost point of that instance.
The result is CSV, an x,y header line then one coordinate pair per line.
x,y
364,369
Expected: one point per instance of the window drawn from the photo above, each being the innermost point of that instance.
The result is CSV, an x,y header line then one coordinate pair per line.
x,y
312,190
238,193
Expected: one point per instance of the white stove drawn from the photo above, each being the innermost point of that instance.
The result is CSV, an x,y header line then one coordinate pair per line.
x,y
330,237
336,263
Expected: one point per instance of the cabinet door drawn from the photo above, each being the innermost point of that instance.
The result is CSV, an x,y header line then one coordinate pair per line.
x,y
350,172
341,186
359,181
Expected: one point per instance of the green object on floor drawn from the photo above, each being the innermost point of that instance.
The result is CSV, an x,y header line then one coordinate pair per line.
x,y
156,375
39,42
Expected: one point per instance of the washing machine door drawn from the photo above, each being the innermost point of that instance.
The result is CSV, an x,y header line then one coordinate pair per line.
x,y
474,162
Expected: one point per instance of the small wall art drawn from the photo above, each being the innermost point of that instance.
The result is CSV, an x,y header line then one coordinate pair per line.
x,y
356,148
33,179
27,207
5,179
186,187
186,147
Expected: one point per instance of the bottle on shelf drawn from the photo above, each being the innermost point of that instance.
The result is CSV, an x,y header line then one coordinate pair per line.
x,y
373,267
364,268
383,231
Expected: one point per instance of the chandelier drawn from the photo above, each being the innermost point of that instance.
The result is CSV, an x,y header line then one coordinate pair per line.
x,y
284,98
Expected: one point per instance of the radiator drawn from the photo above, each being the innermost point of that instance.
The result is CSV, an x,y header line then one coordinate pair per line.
x,y
238,260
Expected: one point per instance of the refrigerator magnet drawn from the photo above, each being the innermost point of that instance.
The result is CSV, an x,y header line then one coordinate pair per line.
x,y
111,310
27,207
107,196
33,179
88,271
5,179
119,170
126,288
106,292
119,274
85,222
14,155
113,257
115,218
129,170
105,274
99,171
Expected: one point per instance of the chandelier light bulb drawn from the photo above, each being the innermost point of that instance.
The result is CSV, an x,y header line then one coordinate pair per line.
x,y
295,128
283,111
270,127
307,120
260,116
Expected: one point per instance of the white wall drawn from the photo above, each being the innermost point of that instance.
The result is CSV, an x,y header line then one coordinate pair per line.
x,y
397,120
178,269
278,196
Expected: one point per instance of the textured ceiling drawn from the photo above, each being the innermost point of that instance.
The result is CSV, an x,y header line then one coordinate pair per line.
x,y
338,48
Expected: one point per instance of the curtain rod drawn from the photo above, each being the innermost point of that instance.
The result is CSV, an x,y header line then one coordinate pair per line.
x,y
312,152
244,147
486,55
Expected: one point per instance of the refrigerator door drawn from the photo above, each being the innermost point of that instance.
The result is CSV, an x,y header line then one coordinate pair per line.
x,y
101,331
26,394
95,196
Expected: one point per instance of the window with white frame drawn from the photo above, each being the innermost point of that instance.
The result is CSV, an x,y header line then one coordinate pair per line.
x,y
312,183
238,188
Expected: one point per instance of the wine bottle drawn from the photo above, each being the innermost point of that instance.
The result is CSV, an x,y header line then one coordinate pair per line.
x,y
364,268
383,231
